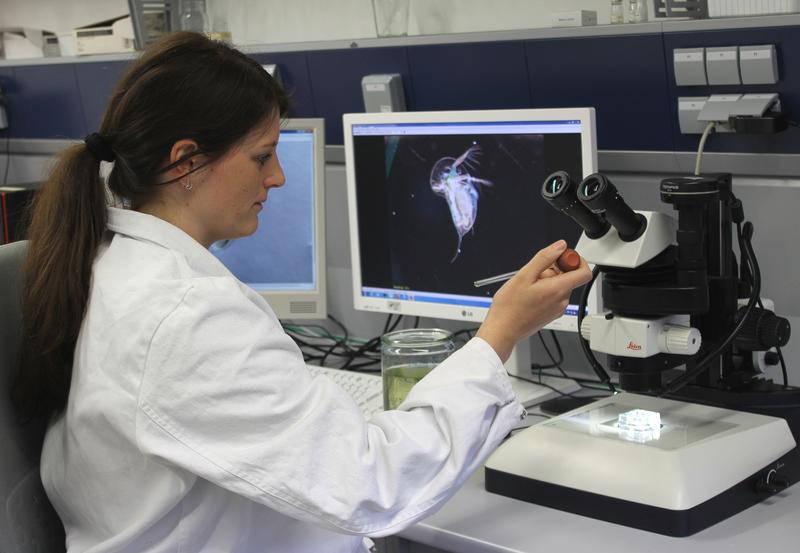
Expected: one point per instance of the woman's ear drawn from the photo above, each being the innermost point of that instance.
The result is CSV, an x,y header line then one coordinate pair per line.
x,y
181,156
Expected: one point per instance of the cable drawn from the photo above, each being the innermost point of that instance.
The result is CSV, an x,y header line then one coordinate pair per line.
x,y
702,144
540,383
746,235
313,341
783,367
596,366
681,381
559,392
372,345
8,157
586,383
337,343
339,324
468,332
555,363
7,128
390,325
541,370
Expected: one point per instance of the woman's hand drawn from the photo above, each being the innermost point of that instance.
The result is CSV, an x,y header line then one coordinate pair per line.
x,y
536,295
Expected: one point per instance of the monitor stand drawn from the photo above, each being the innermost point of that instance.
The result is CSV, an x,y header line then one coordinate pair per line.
x,y
530,393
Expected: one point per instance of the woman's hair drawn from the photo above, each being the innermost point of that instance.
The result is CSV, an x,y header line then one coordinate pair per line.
x,y
184,86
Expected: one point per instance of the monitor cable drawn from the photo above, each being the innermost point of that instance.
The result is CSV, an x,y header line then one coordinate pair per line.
x,y
372,345
555,363
338,343
308,337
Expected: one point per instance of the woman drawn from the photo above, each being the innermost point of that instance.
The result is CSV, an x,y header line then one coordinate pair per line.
x,y
183,417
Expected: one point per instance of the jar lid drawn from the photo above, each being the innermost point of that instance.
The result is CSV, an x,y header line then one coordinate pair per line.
x,y
417,337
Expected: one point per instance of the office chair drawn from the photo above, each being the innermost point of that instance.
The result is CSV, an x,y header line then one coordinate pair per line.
x,y
28,523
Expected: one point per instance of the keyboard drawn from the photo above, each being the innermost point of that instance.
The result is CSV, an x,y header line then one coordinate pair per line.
x,y
365,389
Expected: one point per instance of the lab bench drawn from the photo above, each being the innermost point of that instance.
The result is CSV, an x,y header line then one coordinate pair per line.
x,y
476,521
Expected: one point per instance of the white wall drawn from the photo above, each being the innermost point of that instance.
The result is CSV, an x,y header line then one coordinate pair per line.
x,y
280,21
276,21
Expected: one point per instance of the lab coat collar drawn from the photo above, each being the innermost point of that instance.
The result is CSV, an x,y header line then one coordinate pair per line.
x,y
148,227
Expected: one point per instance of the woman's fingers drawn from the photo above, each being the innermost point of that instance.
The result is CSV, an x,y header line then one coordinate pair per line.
x,y
544,259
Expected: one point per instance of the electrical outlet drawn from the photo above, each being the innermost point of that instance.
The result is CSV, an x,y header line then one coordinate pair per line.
x,y
688,110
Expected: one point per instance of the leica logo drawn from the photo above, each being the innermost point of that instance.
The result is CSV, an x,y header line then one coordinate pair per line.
x,y
633,346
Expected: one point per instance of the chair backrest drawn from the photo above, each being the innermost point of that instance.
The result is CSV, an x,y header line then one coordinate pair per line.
x,y
28,523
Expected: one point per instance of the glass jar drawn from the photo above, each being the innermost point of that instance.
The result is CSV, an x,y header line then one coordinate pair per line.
x,y
193,16
391,17
637,11
617,11
217,14
407,356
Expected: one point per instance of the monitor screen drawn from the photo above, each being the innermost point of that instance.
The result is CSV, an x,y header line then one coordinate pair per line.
x,y
439,200
284,260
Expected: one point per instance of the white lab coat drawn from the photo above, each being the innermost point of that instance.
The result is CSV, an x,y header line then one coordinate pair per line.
x,y
193,424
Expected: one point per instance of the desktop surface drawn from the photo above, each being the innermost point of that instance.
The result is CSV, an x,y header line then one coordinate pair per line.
x,y
477,521
532,393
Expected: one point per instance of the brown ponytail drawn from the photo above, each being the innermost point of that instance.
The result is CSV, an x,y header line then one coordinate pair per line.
x,y
67,222
183,86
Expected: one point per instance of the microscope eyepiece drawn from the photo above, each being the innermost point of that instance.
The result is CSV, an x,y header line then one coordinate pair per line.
x,y
560,191
597,192
592,187
555,184
600,196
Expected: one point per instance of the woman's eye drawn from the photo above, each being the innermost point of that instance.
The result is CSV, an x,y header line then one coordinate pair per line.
x,y
261,160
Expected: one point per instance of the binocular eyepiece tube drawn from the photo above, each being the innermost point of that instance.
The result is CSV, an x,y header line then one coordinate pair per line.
x,y
598,194
560,191
594,204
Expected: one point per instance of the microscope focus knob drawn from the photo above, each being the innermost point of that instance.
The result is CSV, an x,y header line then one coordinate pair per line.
x,y
586,329
680,340
762,330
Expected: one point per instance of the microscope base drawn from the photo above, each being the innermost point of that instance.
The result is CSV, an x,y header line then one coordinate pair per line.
x,y
700,465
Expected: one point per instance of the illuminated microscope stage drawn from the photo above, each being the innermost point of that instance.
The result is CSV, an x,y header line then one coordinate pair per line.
x,y
608,460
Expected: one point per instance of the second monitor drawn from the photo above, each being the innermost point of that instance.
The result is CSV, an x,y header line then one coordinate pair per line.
x,y
284,260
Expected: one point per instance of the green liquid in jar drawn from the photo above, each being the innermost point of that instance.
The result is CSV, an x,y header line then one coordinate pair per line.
x,y
398,381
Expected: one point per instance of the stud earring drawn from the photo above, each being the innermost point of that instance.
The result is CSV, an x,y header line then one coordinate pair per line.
x,y
188,184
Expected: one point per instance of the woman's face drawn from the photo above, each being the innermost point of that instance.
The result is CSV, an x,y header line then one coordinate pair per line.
x,y
228,195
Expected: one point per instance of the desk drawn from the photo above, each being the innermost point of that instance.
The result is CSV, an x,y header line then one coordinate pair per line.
x,y
476,521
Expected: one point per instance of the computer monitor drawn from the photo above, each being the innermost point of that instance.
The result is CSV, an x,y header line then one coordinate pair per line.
x,y
284,260
439,200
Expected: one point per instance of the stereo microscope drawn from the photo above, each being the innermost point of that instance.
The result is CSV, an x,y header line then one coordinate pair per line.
x,y
699,432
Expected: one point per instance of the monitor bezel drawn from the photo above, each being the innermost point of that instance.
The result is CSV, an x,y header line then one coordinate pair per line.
x,y
294,304
454,312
